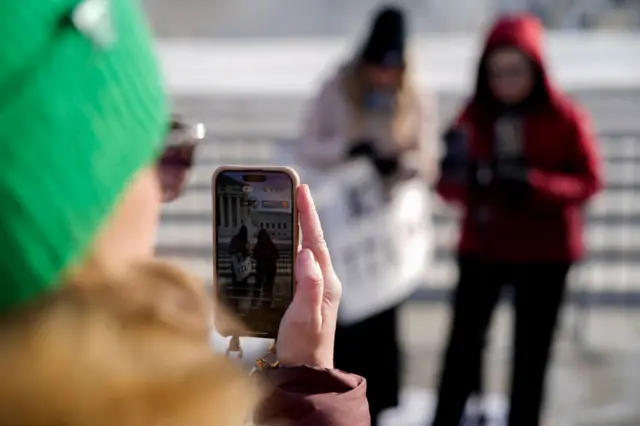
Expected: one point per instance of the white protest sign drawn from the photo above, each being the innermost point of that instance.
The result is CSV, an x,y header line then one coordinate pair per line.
x,y
380,241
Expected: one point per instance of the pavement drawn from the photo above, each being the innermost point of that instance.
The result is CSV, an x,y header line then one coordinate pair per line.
x,y
592,382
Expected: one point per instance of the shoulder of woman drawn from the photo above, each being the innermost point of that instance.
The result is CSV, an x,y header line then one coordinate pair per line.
x,y
334,81
426,100
427,96
329,91
467,115
569,108
417,95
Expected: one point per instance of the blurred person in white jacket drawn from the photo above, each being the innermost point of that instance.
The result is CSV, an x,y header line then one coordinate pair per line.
x,y
370,108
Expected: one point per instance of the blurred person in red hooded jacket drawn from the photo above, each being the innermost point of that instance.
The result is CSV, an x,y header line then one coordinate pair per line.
x,y
521,160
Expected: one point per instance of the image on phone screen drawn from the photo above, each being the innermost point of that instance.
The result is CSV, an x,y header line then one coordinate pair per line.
x,y
254,246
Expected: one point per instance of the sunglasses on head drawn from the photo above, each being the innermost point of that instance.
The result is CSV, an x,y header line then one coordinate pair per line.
x,y
178,157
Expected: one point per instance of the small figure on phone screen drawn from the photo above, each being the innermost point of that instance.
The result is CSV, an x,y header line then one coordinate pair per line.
x,y
266,255
239,250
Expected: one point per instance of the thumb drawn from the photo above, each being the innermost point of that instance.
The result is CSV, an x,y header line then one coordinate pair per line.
x,y
307,300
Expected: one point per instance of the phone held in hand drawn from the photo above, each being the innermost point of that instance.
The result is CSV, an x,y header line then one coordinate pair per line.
x,y
255,239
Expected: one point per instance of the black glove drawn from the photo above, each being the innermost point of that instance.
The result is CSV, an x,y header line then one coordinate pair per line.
x,y
454,169
512,178
456,162
387,166
362,148
456,145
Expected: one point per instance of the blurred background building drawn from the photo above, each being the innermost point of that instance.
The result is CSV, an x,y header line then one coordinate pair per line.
x,y
245,68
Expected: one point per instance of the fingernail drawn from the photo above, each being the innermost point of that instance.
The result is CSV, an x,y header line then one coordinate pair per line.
x,y
308,262
312,203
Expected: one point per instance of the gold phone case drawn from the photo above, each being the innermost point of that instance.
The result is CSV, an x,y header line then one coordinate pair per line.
x,y
233,328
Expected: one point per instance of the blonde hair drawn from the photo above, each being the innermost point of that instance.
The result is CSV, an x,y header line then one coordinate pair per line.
x,y
126,348
406,100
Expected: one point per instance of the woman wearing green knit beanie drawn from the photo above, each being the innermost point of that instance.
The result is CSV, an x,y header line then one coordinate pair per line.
x,y
82,113
93,331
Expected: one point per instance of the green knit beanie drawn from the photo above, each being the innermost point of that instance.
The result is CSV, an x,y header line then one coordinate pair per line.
x,y
82,108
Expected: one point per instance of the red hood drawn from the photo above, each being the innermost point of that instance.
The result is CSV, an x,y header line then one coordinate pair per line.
x,y
525,32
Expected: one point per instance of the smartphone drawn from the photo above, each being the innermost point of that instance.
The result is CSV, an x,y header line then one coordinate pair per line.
x,y
255,240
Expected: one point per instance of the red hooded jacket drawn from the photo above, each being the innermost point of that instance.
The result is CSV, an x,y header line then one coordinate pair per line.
x,y
564,166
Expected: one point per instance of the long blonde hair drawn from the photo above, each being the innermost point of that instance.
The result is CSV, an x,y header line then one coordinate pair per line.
x,y
403,120
126,348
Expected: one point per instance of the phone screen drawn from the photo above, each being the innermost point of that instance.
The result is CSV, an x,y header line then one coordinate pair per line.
x,y
255,233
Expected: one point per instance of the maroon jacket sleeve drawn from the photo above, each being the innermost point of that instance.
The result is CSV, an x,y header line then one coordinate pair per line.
x,y
585,176
304,396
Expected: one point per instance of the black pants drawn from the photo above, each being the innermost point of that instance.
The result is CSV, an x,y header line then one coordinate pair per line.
x,y
371,349
538,290
265,278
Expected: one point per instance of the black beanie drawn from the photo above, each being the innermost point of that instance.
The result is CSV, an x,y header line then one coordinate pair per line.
x,y
386,43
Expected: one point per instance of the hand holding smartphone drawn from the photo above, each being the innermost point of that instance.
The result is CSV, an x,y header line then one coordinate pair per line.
x,y
255,236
